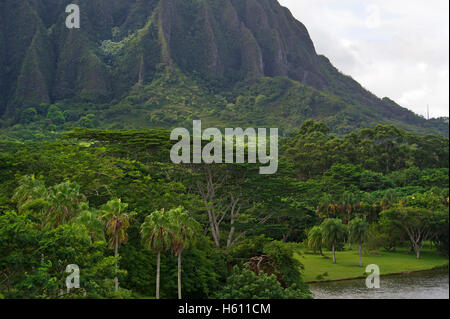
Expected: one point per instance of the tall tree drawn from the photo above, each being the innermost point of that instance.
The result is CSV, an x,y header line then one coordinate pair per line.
x,y
358,234
90,219
65,203
183,231
117,219
314,240
333,233
419,224
156,236
30,188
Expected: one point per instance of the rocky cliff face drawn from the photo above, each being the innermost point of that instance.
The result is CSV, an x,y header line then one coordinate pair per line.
x,y
232,39
242,40
124,44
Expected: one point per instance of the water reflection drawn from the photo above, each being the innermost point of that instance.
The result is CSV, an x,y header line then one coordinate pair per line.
x,y
424,285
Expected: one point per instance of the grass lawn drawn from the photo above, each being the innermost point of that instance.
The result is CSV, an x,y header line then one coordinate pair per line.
x,y
318,268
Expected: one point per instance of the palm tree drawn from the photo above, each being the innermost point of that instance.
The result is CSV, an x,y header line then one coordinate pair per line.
x,y
183,229
325,206
358,233
388,200
333,232
65,203
349,202
314,240
114,213
90,219
156,236
30,189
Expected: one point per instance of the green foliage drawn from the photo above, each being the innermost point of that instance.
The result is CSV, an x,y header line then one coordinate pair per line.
x,y
70,116
203,267
384,149
55,115
33,261
315,240
117,220
358,231
383,236
88,121
91,220
333,231
347,156
156,231
359,234
245,284
287,268
183,229
418,224
67,184
65,201
29,115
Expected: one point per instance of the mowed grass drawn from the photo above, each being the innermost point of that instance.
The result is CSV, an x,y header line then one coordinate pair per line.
x,y
318,268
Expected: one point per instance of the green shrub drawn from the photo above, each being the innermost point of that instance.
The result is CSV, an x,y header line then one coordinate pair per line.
x,y
55,115
88,121
29,115
70,115
245,284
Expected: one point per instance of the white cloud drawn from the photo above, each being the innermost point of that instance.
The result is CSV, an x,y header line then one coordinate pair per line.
x,y
398,49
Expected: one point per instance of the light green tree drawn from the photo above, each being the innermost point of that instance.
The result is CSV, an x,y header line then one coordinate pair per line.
x,y
117,220
65,202
183,230
333,233
358,234
90,219
30,189
315,239
419,224
156,236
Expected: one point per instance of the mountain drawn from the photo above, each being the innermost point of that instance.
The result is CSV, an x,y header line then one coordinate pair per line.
x,y
143,63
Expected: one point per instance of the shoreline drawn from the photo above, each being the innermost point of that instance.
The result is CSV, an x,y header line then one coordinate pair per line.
x,y
406,272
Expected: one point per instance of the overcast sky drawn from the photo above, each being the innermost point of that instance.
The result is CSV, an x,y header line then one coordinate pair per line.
x,y
394,48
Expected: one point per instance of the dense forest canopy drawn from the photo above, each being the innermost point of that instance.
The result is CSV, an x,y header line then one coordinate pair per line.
x,y
56,192
87,180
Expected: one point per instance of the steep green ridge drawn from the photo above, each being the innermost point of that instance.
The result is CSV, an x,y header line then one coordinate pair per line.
x,y
145,63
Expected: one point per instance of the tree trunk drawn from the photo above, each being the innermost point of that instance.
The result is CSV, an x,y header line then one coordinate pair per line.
x,y
116,252
234,213
179,275
230,235
214,228
208,196
360,260
334,253
158,265
418,251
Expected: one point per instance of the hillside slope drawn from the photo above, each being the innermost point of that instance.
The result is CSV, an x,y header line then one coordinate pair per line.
x,y
202,58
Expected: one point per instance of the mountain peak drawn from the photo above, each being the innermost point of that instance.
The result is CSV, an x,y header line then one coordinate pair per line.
x,y
125,44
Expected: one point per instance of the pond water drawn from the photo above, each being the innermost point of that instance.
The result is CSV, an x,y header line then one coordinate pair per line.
x,y
422,285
